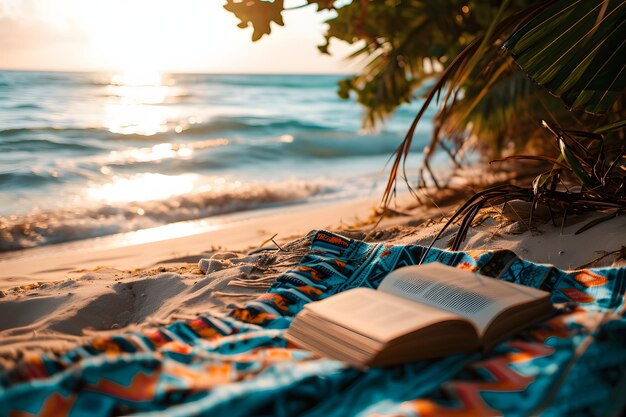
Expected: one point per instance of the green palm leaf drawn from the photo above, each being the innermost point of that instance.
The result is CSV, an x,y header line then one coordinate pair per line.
x,y
577,51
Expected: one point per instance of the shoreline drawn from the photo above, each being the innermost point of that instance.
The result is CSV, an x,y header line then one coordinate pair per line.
x,y
246,230
140,249
52,299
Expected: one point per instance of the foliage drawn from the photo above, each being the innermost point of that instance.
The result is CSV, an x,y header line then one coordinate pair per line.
x,y
577,51
401,43
404,44
570,52
258,13
498,105
589,175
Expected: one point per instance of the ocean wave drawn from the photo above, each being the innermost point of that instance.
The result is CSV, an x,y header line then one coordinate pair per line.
x,y
251,123
42,228
34,78
148,95
28,179
211,154
208,155
213,126
28,106
339,144
17,131
287,81
89,154
81,133
280,81
160,153
18,145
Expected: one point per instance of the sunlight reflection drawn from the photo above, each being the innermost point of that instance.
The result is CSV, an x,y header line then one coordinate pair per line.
x,y
143,187
135,119
141,94
132,99
168,231
137,78
163,151
156,153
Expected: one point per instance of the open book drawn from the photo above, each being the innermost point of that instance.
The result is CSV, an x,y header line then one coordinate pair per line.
x,y
418,312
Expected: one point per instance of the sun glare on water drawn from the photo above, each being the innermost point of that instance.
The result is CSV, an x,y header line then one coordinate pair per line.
x,y
138,42
143,187
133,104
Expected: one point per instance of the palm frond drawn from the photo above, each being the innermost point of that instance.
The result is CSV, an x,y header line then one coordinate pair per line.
x,y
576,50
474,58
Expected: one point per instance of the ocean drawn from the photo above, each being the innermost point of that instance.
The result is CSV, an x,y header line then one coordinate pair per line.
x,y
85,154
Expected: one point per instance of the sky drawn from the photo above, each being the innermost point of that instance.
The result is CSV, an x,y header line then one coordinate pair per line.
x,y
159,35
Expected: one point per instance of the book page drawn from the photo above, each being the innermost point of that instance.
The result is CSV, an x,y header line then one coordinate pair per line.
x,y
377,315
473,296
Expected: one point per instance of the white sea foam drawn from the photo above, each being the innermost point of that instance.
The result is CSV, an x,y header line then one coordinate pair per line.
x,y
72,223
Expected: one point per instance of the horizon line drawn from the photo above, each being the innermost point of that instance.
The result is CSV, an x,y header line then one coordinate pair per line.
x,y
94,71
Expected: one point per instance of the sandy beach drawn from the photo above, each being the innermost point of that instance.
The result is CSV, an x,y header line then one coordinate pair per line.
x,y
57,296
203,204
130,251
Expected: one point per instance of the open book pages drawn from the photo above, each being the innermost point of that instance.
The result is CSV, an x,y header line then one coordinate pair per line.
x,y
418,312
381,317
477,298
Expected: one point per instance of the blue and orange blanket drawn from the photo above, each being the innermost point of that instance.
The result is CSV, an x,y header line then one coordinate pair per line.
x,y
240,365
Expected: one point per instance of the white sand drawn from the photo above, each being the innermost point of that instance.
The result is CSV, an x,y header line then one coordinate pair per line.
x,y
234,232
54,297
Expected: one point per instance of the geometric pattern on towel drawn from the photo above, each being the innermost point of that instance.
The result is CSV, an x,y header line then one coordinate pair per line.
x,y
573,364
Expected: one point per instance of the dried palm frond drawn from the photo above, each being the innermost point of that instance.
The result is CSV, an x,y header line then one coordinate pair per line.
x,y
489,99
463,81
588,176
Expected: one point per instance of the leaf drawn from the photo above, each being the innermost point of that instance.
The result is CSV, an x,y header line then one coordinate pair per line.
x,y
257,13
575,165
460,71
577,51
610,127
598,220
534,158
322,4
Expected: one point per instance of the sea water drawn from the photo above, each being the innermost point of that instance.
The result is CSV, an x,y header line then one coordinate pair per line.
x,y
87,154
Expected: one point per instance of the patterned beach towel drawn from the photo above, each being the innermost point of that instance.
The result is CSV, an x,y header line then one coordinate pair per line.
x,y
240,364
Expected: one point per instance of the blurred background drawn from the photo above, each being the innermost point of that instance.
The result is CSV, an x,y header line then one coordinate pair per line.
x,y
118,116
124,115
